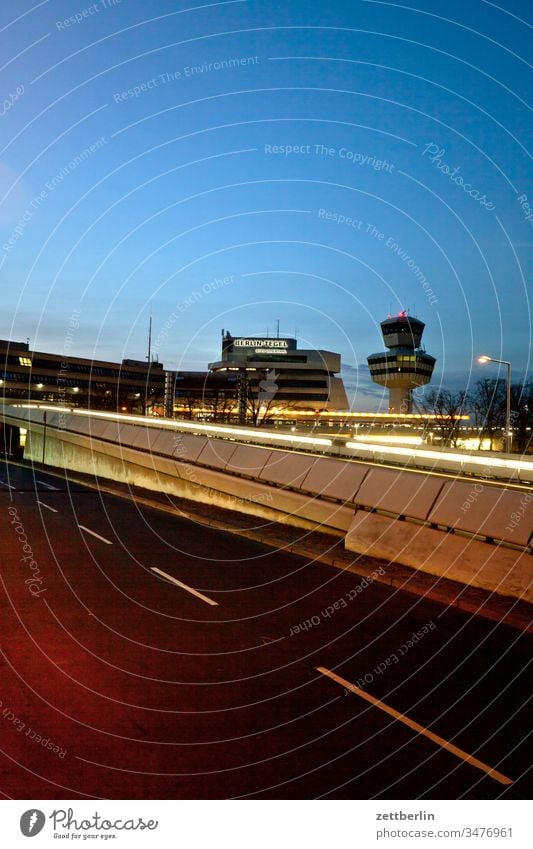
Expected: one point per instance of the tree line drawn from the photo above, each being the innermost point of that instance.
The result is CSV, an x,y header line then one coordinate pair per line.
x,y
486,406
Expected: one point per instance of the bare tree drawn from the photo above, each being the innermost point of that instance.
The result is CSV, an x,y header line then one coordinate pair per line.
x,y
487,402
522,416
220,403
260,411
262,400
187,400
447,408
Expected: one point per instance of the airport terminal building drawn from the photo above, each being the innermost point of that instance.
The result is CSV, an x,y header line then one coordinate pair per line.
x,y
273,370
282,373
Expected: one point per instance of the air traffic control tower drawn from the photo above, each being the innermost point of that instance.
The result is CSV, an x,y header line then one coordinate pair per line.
x,y
405,365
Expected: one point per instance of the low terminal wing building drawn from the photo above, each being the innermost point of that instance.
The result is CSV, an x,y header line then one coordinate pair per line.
x,y
275,371
133,385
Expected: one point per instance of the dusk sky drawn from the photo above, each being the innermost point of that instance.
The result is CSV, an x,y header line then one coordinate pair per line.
x,y
229,164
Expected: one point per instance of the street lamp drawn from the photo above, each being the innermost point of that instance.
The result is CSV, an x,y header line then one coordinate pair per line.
x,y
485,359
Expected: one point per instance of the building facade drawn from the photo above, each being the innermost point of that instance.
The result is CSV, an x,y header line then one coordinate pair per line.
x,y
276,372
132,386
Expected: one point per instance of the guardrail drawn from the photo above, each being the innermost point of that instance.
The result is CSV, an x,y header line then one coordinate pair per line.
x,y
437,522
452,461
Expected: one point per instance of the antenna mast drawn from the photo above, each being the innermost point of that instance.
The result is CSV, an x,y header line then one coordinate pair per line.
x,y
149,358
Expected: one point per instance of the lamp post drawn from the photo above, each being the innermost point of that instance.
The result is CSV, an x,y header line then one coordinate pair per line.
x,y
485,359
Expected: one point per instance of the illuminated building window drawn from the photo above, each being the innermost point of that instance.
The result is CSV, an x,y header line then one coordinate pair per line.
x,y
25,361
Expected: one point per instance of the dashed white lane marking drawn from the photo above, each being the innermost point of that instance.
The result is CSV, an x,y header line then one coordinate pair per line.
x,y
185,587
48,485
53,509
4,483
94,534
440,741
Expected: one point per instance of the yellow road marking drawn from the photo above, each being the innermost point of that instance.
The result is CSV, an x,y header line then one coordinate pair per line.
x,y
440,741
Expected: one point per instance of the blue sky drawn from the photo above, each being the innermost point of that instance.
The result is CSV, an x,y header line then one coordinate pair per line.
x,y
230,164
